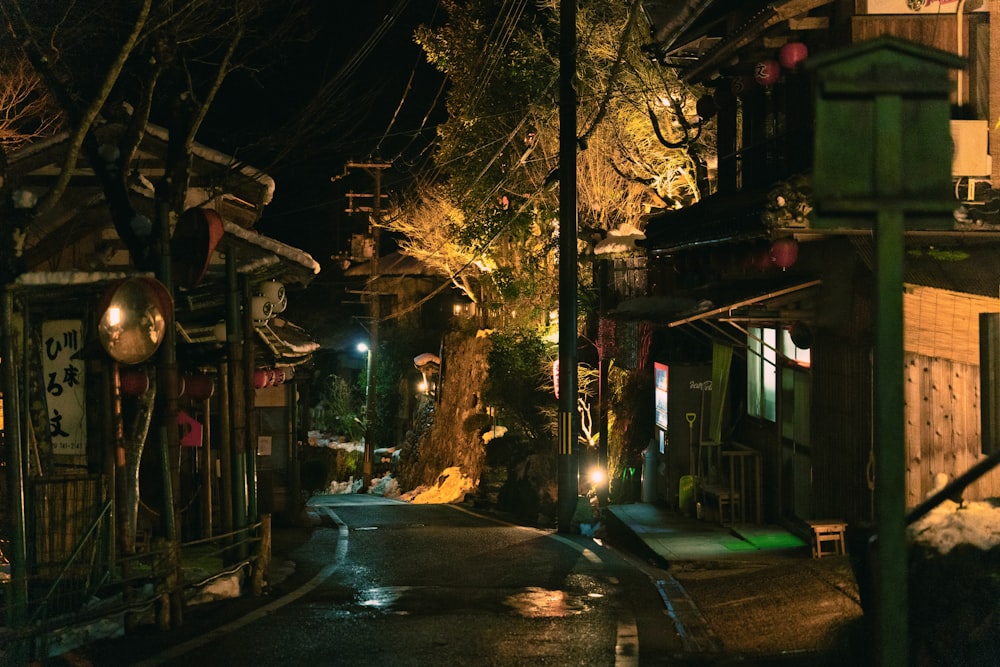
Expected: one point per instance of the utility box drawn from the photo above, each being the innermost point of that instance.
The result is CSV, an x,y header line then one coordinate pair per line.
x,y
883,134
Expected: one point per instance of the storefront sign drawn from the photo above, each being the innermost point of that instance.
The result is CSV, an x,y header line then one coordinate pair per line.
x,y
64,385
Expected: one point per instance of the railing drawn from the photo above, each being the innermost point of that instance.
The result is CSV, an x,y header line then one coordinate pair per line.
x,y
130,590
744,478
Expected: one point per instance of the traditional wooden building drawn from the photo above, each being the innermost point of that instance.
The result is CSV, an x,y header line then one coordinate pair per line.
x,y
143,412
782,309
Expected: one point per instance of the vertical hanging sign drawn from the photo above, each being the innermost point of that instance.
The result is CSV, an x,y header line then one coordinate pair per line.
x,y
64,385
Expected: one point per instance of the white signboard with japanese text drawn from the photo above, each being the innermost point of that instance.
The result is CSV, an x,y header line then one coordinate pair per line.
x,y
64,385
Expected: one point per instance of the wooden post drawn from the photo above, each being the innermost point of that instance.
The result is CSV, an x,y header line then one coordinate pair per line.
x,y
989,381
225,470
883,149
17,594
569,420
207,471
994,90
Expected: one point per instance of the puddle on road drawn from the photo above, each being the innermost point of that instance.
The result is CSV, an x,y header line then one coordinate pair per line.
x,y
532,602
545,603
384,598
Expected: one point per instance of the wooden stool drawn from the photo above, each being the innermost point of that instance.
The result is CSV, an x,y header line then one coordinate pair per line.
x,y
828,530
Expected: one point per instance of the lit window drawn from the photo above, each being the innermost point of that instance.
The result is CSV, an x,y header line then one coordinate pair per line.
x,y
762,377
795,355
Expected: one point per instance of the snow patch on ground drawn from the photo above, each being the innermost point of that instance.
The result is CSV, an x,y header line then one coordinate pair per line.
x,y
225,587
495,432
386,486
451,487
950,523
350,486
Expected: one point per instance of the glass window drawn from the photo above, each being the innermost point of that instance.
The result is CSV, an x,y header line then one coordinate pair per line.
x,y
797,356
762,377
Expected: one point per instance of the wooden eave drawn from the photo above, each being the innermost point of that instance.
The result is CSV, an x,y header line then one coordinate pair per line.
x,y
766,19
730,311
719,219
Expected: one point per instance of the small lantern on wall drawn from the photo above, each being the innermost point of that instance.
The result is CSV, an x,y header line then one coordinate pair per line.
x,y
767,72
199,387
791,54
260,378
261,309
785,251
134,381
274,292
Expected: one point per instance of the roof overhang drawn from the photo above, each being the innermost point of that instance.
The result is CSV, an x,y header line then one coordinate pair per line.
x,y
766,19
739,309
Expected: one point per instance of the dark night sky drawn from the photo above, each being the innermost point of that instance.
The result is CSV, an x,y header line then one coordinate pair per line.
x,y
308,209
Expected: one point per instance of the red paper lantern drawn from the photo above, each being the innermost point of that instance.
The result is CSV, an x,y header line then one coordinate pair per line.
x,y
134,381
259,378
792,53
785,251
766,72
199,387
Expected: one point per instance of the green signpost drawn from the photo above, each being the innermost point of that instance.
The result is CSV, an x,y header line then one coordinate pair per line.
x,y
883,162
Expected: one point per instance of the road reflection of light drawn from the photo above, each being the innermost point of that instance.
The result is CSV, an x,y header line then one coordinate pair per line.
x,y
539,603
382,598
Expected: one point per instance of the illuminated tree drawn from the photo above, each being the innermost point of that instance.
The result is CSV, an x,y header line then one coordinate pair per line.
x,y
27,111
430,224
641,142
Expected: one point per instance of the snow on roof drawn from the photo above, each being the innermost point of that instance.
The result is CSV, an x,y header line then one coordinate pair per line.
x,y
37,146
272,245
218,157
48,278
619,240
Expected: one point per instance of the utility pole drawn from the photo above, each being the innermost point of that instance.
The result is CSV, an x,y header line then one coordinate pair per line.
x,y
568,470
373,169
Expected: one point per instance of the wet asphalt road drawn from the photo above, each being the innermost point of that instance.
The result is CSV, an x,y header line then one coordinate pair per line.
x,y
388,583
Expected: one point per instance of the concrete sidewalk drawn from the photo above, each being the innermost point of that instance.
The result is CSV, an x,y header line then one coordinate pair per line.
x,y
747,594
675,537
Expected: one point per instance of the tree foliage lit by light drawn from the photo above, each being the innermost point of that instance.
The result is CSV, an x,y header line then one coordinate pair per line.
x,y
491,197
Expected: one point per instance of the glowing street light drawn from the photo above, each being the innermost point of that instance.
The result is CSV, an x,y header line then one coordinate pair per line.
x,y
369,413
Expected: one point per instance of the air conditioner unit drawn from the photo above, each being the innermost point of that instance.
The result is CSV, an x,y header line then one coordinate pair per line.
x,y
972,141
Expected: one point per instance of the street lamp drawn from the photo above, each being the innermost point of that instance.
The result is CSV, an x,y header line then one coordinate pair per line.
x,y
369,414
